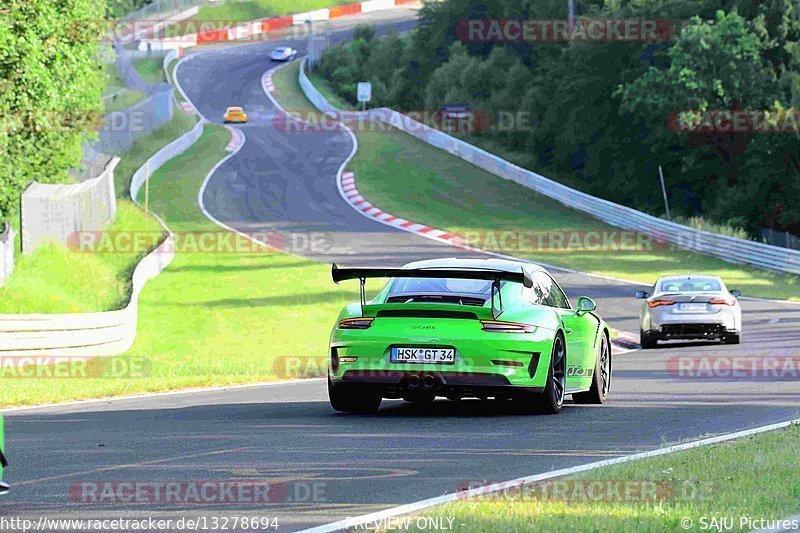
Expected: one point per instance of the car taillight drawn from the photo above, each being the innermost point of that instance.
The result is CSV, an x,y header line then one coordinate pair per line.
x,y
659,303
507,327
722,301
355,323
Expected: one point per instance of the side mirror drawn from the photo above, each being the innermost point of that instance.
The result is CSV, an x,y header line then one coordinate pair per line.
x,y
736,293
586,305
641,294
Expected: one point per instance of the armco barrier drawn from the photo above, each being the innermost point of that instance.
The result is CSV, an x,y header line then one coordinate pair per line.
x,y
52,212
174,148
6,250
729,249
94,334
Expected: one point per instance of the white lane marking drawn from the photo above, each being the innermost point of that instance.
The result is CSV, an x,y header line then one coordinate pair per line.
x,y
361,521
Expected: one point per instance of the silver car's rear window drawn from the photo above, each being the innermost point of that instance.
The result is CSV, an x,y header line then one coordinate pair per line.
x,y
689,285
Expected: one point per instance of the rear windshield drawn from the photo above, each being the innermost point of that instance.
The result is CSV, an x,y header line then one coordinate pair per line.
x,y
690,285
478,287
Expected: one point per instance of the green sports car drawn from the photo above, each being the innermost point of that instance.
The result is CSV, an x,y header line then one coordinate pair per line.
x,y
467,328
3,463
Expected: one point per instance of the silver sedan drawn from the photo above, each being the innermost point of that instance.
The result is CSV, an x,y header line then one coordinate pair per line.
x,y
691,306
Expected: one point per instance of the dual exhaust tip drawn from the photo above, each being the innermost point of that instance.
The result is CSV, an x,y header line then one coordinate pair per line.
x,y
427,381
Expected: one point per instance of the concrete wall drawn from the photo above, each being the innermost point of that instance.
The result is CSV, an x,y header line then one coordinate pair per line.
x,y
53,212
6,250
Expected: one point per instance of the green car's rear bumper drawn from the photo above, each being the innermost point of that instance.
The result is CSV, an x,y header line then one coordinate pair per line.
x,y
486,363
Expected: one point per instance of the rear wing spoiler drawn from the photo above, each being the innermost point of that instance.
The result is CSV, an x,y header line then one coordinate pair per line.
x,y
362,273
495,276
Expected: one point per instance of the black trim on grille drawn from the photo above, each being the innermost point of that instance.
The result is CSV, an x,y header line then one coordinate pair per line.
x,y
410,313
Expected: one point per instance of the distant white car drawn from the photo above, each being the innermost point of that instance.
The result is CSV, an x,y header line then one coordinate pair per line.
x,y
283,53
691,306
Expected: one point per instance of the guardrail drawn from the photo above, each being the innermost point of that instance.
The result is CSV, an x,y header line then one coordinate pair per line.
x,y
53,212
6,250
86,335
730,249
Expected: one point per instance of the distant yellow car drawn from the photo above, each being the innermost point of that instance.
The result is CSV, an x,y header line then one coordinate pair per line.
x,y
235,114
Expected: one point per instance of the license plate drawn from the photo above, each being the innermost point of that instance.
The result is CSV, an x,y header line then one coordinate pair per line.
x,y
443,356
692,308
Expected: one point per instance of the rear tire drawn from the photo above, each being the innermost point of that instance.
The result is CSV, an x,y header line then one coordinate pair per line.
x,y
647,340
550,401
601,380
347,399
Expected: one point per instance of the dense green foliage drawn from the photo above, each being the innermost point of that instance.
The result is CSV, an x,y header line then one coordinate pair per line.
x,y
51,80
600,115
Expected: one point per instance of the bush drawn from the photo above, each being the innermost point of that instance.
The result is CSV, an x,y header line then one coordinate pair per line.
x,y
50,102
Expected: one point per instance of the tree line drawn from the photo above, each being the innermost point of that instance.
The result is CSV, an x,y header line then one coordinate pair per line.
x,y
711,94
51,82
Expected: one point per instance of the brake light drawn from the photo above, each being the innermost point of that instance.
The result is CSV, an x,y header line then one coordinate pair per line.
x,y
355,323
659,303
722,301
507,327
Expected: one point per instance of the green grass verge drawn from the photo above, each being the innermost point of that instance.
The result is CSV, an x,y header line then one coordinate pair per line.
x,y
151,69
209,319
55,279
415,181
122,100
756,477
114,81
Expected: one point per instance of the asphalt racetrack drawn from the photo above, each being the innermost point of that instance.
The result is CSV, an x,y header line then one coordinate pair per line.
x,y
328,465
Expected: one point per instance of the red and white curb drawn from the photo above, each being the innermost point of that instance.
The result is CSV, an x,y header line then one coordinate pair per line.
x,y
189,108
359,203
247,30
267,81
237,139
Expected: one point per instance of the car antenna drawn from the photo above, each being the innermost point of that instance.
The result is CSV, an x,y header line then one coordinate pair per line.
x,y
496,288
